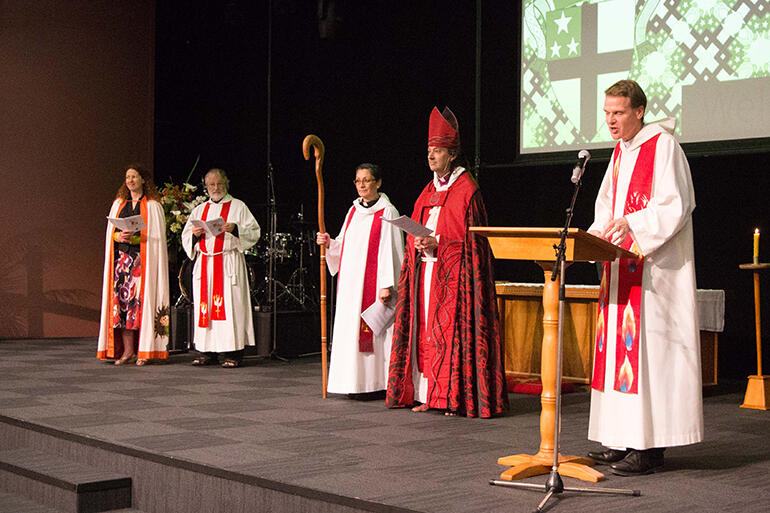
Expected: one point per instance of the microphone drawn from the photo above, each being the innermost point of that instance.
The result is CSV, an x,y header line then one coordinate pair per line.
x,y
580,166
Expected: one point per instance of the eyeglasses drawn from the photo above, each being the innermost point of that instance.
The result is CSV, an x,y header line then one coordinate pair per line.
x,y
364,181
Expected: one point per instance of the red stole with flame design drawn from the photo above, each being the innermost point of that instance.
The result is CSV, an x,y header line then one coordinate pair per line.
x,y
205,312
629,282
365,335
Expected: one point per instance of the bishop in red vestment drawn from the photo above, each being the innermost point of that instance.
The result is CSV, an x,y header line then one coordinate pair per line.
x,y
447,353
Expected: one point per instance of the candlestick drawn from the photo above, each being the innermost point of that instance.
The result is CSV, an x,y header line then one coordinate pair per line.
x,y
756,245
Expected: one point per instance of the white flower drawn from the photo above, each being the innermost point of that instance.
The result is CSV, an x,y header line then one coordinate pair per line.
x,y
190,187
175,212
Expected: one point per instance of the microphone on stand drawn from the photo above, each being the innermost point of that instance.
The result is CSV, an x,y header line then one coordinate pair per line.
x,y
580,165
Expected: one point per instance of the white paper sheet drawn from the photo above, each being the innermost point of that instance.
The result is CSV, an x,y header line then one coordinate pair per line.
x,y
128,224
213,227
379,317
410,226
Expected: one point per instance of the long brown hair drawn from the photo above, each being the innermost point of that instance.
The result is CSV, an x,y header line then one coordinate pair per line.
x,y
150,191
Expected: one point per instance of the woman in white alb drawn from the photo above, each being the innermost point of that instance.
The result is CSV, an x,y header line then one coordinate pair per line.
x,y
367,254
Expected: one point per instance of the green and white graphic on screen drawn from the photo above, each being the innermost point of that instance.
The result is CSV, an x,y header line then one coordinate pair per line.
x,y
705,63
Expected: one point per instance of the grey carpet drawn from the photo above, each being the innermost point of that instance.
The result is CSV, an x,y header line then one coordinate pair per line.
x,y
267,419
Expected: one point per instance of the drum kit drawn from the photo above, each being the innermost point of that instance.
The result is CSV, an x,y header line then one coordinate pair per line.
x,y
290,252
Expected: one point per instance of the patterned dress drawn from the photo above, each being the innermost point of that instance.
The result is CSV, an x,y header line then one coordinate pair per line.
x,y
127,279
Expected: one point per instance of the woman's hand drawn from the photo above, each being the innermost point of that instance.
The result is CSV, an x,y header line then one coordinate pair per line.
x,y
322,239
425,243
124,236
386,295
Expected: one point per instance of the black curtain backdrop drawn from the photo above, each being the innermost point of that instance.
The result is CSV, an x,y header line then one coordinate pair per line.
x,y
364,77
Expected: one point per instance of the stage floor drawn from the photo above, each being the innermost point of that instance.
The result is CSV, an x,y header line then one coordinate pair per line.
x,y
267,419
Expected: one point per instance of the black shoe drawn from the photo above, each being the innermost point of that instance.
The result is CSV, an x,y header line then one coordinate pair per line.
x,y
639,463
607,455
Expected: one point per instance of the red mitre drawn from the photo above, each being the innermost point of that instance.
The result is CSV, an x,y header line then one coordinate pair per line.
x,y
442,129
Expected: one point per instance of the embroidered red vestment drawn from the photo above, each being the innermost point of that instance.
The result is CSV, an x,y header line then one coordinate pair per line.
x,y
629,286
459,348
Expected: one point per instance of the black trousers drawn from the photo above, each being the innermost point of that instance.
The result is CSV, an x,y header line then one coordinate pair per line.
x,y
224,355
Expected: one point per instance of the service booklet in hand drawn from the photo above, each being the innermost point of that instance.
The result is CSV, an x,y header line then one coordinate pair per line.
x,y
212,227
410,226
128,224
379,316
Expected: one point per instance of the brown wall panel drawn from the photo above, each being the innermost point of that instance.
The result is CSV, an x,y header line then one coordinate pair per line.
x,y
76,104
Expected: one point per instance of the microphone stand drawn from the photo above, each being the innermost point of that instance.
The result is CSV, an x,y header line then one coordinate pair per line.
x,y
555,485
271,279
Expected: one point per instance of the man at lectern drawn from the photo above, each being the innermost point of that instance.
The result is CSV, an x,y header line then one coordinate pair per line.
x,y
646,386
446,353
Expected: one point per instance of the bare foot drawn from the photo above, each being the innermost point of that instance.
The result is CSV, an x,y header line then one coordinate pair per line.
x,y
450,413
420,408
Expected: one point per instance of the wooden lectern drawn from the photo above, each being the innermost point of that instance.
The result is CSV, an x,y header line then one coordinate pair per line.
x,y
537,244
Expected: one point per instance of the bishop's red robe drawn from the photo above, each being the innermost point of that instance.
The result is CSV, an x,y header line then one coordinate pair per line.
x,y
459,348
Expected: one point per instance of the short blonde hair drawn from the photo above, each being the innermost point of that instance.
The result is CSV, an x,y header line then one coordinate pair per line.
x,y
628,89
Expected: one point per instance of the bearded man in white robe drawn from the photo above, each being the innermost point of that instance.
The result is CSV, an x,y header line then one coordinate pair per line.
x,y
222,303
646,386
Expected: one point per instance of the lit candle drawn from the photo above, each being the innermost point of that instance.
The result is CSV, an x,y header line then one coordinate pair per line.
x,y
756,245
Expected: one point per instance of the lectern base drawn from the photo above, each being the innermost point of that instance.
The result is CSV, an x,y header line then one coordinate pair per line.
x,y
528,465
757,393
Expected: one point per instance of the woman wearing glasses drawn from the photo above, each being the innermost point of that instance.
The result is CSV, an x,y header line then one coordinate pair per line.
x,y
366,256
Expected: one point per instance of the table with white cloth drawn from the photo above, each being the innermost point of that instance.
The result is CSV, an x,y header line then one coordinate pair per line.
x,y
521,315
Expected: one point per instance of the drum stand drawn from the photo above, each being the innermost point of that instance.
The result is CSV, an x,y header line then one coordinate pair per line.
x,y
296,288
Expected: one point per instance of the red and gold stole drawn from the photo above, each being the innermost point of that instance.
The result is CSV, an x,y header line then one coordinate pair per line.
x,y
630,272
365,335
205,312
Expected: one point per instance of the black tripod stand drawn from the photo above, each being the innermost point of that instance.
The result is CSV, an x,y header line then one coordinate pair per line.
x,y
555,485
271,280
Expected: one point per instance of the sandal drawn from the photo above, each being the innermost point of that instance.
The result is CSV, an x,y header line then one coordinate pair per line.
x,y
204,360
126,359
231,364
141,361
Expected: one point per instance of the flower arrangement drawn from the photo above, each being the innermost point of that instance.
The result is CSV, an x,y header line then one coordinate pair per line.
x,y
178,202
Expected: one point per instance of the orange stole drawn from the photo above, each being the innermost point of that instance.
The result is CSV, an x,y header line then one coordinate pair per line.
x,y
110,352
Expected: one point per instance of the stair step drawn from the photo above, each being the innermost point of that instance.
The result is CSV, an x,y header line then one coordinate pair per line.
x,y
62,484
12,503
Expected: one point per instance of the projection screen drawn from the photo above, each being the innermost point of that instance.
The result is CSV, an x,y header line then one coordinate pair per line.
x,y
705,63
